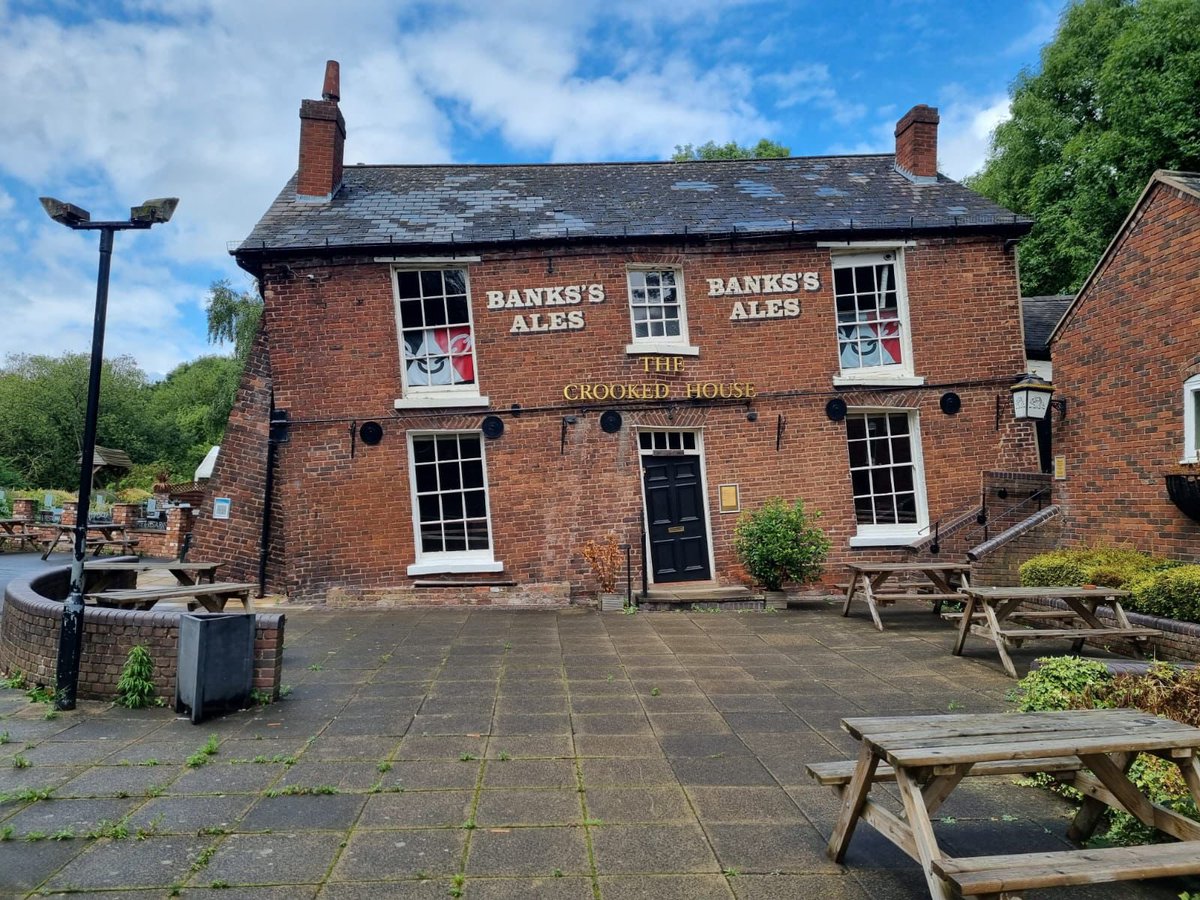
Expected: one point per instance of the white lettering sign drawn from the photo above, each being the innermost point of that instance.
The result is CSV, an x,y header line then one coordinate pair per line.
x,y
779,283
559,295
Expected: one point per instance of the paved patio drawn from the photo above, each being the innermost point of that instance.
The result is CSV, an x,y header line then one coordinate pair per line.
x,y
492,754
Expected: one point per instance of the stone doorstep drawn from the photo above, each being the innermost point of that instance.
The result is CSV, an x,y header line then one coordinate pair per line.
x,y
703,595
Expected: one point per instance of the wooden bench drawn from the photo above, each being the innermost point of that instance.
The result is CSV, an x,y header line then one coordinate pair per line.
x,y
838,774
20,539
998,875
212,597
127,545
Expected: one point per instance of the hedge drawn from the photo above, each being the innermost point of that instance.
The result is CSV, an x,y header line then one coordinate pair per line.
x,y
1158,587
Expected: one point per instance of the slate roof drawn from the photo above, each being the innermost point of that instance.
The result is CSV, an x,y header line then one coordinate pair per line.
x,y
487,204
1040,315
111,457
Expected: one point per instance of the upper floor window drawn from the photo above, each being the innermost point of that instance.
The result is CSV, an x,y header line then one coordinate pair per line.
x,y
657,311
433,316
1191,419
872,315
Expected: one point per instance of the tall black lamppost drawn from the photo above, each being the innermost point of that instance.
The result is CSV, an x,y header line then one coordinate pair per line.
x,y
70,639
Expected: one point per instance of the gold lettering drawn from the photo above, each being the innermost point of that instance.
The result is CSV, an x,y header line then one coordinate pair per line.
x,y
567,392
585,392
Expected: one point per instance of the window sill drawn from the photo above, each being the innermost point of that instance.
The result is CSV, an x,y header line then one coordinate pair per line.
x,y
853,381
885,540
643,348
432,401
454,568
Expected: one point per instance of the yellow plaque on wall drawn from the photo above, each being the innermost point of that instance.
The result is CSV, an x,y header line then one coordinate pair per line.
x,y
1060,468
730,501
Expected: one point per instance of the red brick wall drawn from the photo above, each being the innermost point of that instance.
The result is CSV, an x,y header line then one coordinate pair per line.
x,y
240,474
29,628
345,521
1121,362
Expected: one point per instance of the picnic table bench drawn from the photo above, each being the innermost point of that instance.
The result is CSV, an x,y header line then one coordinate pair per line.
x,y
16,531
111,536
989,608
928,756
942,583
212,596
100,572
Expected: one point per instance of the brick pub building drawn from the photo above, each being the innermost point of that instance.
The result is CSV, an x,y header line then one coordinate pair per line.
x,y
1127,361
465,372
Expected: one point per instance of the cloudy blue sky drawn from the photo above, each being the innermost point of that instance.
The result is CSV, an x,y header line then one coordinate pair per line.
x,y
109,102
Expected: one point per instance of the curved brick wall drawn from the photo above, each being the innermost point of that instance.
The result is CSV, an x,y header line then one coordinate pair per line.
x,y
32,614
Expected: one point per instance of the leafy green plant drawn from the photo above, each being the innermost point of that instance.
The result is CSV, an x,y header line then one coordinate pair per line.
x,y
778,543
5,737
1072,683
6,833
20,762
105,828
14,679
135,688
1060,682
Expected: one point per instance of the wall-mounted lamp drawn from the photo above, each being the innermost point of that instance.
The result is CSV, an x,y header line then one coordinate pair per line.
x,y
1033,397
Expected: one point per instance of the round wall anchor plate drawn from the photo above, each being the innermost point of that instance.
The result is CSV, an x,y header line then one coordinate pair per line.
x,y
836,409
610,421
950,403
493,427
371,433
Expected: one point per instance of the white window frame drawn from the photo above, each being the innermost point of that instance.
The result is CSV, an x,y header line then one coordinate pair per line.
x,y
1191,400
901,374
452,561
420,396
896,534
678,346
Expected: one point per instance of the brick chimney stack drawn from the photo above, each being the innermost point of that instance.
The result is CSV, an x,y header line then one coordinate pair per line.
x,y
916,144
322,140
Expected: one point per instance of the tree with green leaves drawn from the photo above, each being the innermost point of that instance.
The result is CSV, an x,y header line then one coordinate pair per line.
x,y
1117,96
233,316
764,149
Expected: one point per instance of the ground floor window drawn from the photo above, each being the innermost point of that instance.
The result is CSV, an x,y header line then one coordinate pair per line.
x,y
1191,416
450,502
886,476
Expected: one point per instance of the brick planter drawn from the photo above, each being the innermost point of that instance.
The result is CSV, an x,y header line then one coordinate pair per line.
x,y
32,615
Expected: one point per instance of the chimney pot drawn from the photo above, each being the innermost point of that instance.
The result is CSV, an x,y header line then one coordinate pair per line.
x,y
916,144
332,90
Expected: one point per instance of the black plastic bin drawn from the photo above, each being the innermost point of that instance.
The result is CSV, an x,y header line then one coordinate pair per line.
x,y
216,663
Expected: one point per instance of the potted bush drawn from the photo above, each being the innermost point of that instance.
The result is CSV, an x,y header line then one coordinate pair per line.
x,y
605,559
780,543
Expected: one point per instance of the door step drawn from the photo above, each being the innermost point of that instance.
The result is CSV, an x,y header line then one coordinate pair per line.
x,y
700,595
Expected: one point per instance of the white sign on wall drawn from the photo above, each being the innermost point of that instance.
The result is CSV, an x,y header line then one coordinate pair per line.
x,y
221,507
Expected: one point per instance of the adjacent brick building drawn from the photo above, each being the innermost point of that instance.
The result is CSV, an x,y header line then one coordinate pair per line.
x,y
1127,361
474,369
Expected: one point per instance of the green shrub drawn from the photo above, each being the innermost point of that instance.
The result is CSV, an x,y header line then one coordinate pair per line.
x,y
1159,587
1061,682
779,543
1068,682
1171,593
135,689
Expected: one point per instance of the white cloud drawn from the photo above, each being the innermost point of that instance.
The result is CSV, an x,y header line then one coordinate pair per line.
x,y
966,129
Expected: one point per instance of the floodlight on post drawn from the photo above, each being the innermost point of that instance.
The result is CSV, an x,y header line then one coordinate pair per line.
x,y
70,638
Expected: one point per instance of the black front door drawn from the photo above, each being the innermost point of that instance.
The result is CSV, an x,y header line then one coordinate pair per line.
x,y
675,513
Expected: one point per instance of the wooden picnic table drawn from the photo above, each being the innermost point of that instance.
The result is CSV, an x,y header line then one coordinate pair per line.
x,y
942,580
988,609
927,757
211,595
186,573
16,530
112,536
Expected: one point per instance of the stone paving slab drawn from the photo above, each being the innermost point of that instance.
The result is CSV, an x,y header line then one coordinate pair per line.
x,y
495,754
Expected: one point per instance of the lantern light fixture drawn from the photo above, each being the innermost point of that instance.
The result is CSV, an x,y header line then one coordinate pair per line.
x,y
1033,397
